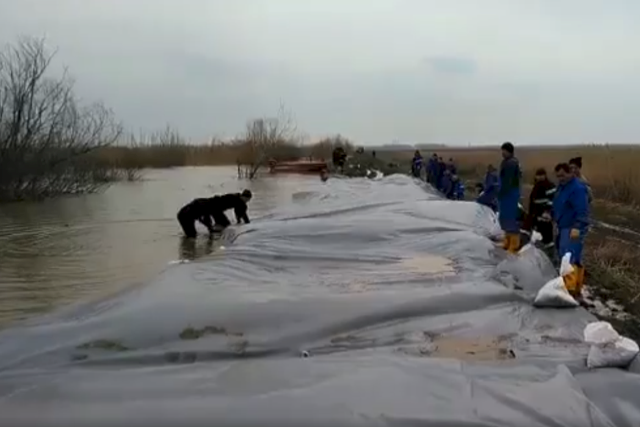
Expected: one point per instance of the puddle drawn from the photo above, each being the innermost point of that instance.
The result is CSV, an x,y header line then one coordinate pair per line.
x,y
470,349
429,264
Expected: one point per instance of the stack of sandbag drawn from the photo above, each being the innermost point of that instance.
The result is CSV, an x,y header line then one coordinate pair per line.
x,y
554,293
608,348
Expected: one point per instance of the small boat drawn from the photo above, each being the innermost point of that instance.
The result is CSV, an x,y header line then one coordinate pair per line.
x,y
301,166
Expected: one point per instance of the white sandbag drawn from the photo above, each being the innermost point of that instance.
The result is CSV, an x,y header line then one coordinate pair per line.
x,y
608,348
618,354
554,294
565,265
599,333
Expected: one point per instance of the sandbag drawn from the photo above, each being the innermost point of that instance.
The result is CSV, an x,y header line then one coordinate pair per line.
x,y
535,237
554,293
608,348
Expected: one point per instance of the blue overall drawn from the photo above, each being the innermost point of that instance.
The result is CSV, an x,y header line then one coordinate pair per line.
x,y
459,190
446,186
509,196
571,211
488,197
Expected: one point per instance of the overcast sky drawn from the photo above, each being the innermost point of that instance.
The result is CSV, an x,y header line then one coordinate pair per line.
x,y
415,71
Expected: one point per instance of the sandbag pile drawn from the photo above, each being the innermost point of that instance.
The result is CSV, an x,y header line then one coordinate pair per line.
x,y
608,348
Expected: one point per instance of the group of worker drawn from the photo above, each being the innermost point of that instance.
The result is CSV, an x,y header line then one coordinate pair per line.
x,y
203,210
442,176
564,206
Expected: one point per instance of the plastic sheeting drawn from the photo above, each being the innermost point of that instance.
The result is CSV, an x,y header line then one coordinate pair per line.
x,y
359,303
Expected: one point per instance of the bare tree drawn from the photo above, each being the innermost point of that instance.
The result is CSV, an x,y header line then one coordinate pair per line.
x,y
266,139
45,135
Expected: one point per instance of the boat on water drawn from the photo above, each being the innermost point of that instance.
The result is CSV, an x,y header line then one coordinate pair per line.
x,y
300,166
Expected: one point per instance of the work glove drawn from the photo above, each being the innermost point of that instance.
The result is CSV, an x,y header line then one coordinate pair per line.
x,y
574,234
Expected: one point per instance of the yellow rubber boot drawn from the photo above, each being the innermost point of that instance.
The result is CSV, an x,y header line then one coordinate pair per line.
x,y
514,244
571,281
506,242
580,279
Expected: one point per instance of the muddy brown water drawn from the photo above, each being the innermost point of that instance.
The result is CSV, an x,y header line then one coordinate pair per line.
x,y
70,249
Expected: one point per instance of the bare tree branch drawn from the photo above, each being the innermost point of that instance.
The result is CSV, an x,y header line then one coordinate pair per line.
x,y
45,134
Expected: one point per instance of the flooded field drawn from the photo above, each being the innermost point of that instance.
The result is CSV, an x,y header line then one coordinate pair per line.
x,y
65,250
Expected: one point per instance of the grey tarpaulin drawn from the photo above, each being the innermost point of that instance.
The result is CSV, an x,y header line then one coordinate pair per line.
x,y
348,273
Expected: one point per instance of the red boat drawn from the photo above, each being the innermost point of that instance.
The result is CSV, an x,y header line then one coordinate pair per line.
x,y
302,166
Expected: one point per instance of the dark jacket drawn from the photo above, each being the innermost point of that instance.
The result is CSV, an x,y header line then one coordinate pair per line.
x,y
196,209
447,186
231,201
571,205
416,166
510,176
541,199
432,170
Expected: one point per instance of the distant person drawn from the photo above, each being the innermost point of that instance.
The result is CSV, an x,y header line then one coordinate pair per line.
x,y
442,167
339,157
451,166
457,191
373,154
576,169
203,209
447,184
540,206
417,164
571,215
324,175
509,198
489,189
432,170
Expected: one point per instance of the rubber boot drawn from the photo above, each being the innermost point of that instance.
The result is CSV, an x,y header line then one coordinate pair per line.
x,y
514,243
580,280
571,281
506,242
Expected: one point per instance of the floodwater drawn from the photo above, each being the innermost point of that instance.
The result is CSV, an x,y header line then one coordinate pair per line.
x,y
70,249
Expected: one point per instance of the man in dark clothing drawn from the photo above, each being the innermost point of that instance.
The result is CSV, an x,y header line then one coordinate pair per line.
x,y
432,170
339,157
442,167
203,210
509,198
451,166
417,163
540,207
447,184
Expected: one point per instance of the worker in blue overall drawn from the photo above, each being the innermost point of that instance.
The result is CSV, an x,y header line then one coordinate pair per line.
x,y
509,198
488,190
571,216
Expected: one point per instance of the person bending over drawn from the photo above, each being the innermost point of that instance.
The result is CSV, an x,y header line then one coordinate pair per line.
x,y
203,209
236,201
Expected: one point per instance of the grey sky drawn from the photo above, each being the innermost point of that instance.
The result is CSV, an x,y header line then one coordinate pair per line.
x,y
455,71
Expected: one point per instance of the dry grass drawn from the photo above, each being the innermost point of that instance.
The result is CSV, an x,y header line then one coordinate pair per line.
x,y
612,274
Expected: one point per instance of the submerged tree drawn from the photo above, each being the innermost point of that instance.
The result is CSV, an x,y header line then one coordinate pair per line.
x,y
45,134
267,139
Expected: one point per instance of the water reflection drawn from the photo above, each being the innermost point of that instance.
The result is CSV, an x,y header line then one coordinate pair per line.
x,y
72,248
192,249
